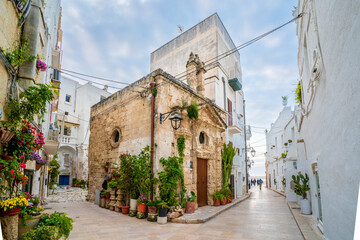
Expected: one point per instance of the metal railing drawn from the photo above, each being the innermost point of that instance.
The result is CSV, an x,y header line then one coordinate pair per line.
x,y
234,120
23,7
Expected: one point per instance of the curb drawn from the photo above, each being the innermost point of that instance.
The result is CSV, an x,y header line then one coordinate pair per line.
x,y
205,219
278,192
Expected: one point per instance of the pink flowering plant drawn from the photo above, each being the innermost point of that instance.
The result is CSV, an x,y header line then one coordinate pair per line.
x,y
142,199
12,174
39,141
40,65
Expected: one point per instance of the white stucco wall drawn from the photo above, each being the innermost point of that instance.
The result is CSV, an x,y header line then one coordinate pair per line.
x,y
330,33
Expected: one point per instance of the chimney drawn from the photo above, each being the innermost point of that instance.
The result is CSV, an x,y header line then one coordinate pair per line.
x,y
195,73
105,87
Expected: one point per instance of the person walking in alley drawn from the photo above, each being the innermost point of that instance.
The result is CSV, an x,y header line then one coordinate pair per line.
x,y
260,182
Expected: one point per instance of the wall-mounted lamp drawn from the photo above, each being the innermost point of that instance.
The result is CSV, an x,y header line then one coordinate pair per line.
x,y
175,119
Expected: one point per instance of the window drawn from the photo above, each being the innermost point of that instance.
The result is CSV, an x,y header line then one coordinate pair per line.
x,y
67,98
115,137
202,138
66,159
67,131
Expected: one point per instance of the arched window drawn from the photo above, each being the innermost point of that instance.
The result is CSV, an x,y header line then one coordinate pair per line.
x,y
115,137
202,138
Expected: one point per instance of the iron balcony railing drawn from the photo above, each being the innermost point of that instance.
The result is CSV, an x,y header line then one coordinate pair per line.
x,y
23,6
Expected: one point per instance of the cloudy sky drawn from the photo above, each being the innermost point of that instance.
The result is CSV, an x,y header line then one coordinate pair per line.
x,y
114,39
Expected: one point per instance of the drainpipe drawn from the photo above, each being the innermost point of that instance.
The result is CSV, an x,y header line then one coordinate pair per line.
x,y
152,85
246,170
31,32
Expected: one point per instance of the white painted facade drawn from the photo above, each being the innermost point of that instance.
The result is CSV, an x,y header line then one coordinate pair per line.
x,y
329,125
75,101
208,39
281,141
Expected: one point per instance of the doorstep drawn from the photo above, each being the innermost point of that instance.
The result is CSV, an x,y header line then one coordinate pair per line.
x,y
279,192
206,213
306,223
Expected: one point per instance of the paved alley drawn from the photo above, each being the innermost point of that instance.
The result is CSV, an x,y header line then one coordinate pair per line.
x,y
264,215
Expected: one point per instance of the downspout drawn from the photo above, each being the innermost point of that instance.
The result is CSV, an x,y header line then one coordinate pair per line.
x,y
246,170
152,85
31,30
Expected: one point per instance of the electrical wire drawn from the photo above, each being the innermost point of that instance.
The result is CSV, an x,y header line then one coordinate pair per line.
x,y
88,80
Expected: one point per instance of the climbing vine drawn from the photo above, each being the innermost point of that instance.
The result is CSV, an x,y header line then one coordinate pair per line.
x,y
193,110
298,93
181,146
19,54
227,156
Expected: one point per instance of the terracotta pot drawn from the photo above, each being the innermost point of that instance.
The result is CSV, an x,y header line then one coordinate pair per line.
x,y
141,207
223,201
107,196
229,199
216,202
152,209
190,207
38,166
125,209
11,212
102,196
5,136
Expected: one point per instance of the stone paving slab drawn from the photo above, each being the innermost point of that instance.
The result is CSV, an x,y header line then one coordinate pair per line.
x,y
306,223
206,213
67,195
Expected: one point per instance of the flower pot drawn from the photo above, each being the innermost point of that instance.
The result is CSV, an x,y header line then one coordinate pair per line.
x,y
125,209
216,202
38,166
30,224
107,196
190,207
305,206
12,212
284,102
141,207
152,209
163,212
5,136
223,201
229,199
133,204
102,196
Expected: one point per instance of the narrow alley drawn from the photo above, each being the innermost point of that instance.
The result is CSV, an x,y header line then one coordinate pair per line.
x,y
264,215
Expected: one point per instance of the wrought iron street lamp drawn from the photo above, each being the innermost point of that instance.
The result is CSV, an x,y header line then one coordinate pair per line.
x,y
175,119
253,152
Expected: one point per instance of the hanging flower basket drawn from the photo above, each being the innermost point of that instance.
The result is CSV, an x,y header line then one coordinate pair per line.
x,y
40,65
38,166
5,136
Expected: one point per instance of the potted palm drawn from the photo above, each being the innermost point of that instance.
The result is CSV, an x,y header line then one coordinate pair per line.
x,y
301,188
190,204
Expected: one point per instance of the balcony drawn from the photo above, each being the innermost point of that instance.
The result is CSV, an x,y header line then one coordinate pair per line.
x,y
235,123
23,8
68,140
52,142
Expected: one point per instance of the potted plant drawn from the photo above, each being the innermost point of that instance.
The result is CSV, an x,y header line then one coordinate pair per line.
x,y
125,209
290,141
107,194
5,136
152,206
301,188
12,206
113,184
286,144
40,65
190,204
284,100
163,209
223,200
141,204
217,196
30,215
133,200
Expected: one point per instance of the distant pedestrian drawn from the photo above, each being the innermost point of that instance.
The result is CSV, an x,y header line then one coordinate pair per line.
x,y
260,183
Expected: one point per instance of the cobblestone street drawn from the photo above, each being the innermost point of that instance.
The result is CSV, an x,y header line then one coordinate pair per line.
x,y
264,215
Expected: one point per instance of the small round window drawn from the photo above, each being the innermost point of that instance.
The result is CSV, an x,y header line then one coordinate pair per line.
x,y
202,138
115,137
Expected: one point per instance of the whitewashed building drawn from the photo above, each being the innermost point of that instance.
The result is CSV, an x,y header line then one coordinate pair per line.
x,y
223,80
75,101
281,155
328,124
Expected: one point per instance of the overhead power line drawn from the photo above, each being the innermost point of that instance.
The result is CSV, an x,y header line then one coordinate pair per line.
x,y
88,80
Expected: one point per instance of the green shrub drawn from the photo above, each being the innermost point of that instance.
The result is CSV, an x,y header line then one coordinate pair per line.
x,y
19,54
63,223
42,233
298,93
181,146
113,184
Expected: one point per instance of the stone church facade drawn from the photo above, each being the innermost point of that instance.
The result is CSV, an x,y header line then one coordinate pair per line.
x,y
122,123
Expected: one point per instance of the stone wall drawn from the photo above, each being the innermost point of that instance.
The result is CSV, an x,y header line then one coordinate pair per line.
x,y
131,113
